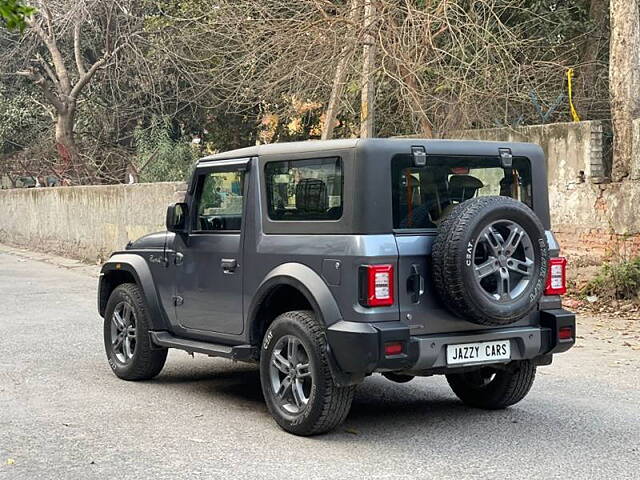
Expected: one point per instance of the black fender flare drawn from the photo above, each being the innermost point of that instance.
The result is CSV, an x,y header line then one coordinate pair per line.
x,y
317,293
139,270
305,280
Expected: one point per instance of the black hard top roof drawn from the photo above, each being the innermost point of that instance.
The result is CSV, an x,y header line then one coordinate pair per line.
x,y
434,147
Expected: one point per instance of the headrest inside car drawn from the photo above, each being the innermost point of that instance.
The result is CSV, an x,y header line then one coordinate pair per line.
x,y
464,187
311,195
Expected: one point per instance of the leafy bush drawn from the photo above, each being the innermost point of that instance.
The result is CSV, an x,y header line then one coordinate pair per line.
x,y
22,121
162,154
619,281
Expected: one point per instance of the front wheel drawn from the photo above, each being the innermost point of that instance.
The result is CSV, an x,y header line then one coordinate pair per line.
x,y
296,380
130,352
492,388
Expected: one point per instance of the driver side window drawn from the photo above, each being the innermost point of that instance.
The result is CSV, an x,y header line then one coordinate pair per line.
x,y
219,201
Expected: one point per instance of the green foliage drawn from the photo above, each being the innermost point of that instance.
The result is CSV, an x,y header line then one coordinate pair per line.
x,y
22,121
620,280
163,154
14,14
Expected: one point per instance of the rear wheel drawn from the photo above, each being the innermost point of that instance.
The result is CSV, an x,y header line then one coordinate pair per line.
x,y
492,388
130,352
296,380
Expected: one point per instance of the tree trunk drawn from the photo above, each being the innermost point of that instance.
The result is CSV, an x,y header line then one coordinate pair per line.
x,y
368,67
586,93
338,81
65,143
624,81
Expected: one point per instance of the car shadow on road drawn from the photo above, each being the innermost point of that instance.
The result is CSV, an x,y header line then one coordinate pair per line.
x,y
379,405
240,382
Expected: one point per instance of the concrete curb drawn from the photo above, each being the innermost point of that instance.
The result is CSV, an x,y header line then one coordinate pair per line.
x,y
61,262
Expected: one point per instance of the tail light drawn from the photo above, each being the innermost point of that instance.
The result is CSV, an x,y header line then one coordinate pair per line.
x,y
392,348
565,333
557,277
377,285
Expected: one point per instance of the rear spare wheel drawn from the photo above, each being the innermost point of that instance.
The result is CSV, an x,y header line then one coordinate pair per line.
x,y
490,260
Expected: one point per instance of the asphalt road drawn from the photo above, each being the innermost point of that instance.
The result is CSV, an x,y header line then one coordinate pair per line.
x,y
63,414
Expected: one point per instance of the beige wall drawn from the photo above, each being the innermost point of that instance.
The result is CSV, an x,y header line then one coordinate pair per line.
x,y
84,222
570,148
590,216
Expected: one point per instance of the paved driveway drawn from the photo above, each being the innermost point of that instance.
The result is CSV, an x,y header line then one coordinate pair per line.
x,y
64,415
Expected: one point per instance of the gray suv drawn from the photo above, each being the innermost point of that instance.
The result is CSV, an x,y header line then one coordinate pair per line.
x,y
326,262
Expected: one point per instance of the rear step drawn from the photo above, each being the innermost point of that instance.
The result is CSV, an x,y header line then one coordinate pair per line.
x,y
245,353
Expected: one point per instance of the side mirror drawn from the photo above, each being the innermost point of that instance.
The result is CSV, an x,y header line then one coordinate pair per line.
x,y
177,217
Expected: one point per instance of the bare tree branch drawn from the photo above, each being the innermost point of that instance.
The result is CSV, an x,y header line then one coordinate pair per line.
x,y
52,46
41,82
86,77
77,49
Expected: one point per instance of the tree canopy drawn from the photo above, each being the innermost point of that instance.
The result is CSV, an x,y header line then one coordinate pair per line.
x,y
88,87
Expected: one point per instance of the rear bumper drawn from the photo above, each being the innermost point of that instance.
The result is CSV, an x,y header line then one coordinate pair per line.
x,y
358,348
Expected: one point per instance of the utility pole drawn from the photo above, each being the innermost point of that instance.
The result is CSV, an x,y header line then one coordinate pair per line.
x,y
368,67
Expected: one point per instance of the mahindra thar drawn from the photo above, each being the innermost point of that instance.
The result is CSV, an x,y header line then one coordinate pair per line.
x,y
328,261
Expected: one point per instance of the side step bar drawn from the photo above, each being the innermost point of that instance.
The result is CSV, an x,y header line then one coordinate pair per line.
x,y
245,353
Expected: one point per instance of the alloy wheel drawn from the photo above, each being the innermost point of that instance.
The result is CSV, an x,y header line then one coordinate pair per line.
x,y
503,260
123,332
291,374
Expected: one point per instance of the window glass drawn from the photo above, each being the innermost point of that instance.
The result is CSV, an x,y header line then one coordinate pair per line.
x,y
304,189
423,196
219,204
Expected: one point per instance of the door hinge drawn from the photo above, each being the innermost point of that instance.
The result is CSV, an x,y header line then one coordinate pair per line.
x,y
178,300
419,156
506,158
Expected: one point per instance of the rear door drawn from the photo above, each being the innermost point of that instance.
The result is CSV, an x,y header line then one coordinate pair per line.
x,y
422,197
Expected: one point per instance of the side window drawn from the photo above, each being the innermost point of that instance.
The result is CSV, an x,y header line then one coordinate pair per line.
x,y
304,189
219,201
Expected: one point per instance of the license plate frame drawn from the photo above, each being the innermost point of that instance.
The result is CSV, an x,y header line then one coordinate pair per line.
x,y
471,353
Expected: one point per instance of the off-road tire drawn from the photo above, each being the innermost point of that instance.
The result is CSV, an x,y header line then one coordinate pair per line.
x,y
452,274
147,360
328,404
507,387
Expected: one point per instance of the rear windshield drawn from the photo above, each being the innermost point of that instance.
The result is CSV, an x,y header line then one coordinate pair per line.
x,y
423,196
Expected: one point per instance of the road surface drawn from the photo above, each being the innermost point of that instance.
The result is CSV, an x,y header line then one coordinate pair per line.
x,y
64,415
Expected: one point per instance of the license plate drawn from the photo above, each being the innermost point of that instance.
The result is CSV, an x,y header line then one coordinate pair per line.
x,y
478,352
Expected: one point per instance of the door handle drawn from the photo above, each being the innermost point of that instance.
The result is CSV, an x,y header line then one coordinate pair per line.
x,y
415,284
229,265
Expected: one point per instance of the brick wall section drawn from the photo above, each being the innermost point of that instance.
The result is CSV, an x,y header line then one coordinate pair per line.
x,y
588,247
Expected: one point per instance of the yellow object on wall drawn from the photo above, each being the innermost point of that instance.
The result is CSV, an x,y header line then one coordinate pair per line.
x,y
574,113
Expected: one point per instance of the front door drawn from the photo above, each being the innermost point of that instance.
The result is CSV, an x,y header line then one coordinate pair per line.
x,y
209,257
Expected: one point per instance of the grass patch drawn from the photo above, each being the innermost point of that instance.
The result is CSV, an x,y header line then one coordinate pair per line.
x,y
616,281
